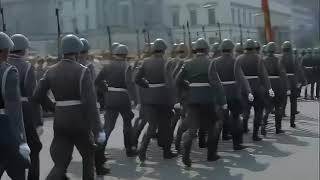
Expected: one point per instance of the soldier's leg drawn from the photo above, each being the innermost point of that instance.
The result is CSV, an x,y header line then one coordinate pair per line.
x,y
318,90
139,125
278,116
181,129
245,115
269,106
110,118
293,103
236,128
214,131
15,171
35,147
150,114
61,153
127,116
192,120
312,90
258,113
85,145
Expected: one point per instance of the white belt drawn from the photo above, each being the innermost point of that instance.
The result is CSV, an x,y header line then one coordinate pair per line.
x,y
308,67
290,74
227,82
68,103
251,77
157,85
24,99
199,85
274,77
113,89
2,111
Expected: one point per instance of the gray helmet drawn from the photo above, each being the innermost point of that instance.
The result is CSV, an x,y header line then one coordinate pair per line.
x,y
238,47
227,44
215,47
86,45
258,46
286,45
71,44
20,42
271,47
5,41
182,48
193,46
202,44
114,46
316,51
250,44
159,45
264,48
175,47
309,51
121,50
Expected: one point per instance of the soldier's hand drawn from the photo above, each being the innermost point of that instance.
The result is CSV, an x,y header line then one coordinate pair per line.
x,y
25,151
225,107
288,92
250,97
101,138
104,86
271,93
145,84
186,83
39,130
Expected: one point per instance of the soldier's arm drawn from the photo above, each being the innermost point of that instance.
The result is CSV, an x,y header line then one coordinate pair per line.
x,y
40,95
13,105
241,79
263,73
100,82
139,78
89,101
181,78
30,86
216,84
283,75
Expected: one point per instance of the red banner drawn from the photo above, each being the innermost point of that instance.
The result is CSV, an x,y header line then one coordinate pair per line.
x,y
267,21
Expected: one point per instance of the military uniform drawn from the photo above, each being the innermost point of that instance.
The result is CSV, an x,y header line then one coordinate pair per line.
x,y
113,78
215,49
233,80
156,99
200,102
14,157
256,73
287,61
76,114
279,83
309,70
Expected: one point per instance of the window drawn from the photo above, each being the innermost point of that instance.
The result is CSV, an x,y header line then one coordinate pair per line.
x,y
193,17
239,17
87,22
125,14
244,17
233,16
212,16
175,19
87,4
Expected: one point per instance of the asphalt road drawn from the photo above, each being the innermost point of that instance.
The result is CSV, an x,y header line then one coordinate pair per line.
x,y
291,156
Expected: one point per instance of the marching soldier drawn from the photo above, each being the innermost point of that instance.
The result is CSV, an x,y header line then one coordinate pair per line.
x,y
156,99
317,71
308,64
287,61
76,120
232,79
256,73
114,82
215,49
31,111
84,58
200,101
238,50
279,83
15,152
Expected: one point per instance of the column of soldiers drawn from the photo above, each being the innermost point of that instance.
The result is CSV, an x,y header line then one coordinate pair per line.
x,y
192,92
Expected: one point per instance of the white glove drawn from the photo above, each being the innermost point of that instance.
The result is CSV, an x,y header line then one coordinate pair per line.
x,y
250,97
271,93
24,150
101,137
288,92
39,130
177,106
225,107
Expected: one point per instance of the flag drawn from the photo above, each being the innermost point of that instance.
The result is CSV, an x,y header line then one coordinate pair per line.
x,y
267,21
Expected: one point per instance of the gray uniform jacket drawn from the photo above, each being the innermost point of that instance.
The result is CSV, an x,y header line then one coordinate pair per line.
x,y
72,87
28,83
10,101
90,66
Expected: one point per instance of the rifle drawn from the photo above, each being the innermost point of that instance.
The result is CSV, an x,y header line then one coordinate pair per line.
x,y
184,34
204,32
241,35
138,43
59,34
219,27
190,42
4,29
109,40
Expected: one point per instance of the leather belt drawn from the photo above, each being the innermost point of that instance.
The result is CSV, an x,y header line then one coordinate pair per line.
x,y
290,74
68,103
228,82
157,85
251,77
3,111
113,89
199,85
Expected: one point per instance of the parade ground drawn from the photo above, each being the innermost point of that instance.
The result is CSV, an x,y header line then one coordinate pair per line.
x,y
291,156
